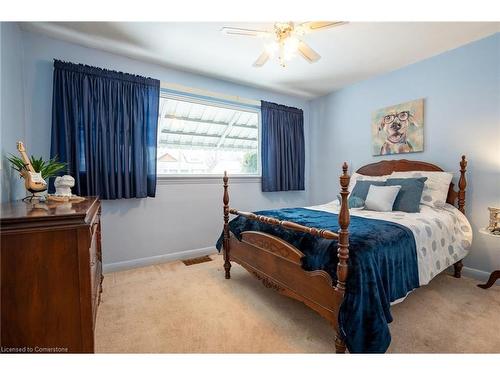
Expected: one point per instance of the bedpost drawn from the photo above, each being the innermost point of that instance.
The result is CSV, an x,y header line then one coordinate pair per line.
x,y
462,184
343,246
227,263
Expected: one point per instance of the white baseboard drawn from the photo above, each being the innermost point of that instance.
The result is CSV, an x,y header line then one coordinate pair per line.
x,y
477,274
142,262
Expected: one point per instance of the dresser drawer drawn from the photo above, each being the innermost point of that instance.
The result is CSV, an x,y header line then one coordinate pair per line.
x,y
95,263
93,250
94,289
94,224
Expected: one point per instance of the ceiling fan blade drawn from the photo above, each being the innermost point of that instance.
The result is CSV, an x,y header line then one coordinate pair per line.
x,y
245,32
316,25
308,53
261,60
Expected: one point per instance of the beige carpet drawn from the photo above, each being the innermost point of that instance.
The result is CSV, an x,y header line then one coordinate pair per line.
x,y
173,308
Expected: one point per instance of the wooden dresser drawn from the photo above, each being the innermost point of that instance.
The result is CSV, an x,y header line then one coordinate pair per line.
x,y
51,274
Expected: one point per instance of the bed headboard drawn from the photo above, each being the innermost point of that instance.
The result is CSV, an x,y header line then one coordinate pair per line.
x,y
388,166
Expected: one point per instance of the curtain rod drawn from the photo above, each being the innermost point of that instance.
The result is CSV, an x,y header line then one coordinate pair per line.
x,y
200,92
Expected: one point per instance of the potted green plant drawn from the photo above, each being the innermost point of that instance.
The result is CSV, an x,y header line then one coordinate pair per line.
x,y
46,168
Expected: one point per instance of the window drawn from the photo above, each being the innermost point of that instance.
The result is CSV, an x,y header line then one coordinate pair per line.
x,y
202,137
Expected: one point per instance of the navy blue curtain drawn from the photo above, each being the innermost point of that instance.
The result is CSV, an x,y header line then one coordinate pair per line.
x,y
104,125
283,155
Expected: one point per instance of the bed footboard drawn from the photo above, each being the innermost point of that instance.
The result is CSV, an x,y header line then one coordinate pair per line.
x,y
278,264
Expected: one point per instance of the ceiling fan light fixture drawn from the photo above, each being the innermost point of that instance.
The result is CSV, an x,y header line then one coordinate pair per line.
x,y
285,40
290,47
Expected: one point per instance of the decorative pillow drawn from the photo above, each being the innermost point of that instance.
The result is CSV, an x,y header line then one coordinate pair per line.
x,y
353,202
381,198
361,177
361,188
435,188
408,199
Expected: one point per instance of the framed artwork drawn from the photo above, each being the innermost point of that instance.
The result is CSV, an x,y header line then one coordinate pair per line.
x,y
398,129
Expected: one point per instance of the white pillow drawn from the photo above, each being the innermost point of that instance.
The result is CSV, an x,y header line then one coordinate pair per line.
x,y
381,198
435,188
356,176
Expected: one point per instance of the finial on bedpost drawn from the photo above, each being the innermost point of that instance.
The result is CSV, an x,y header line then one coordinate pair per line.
x,y
225,200
343,245
462,183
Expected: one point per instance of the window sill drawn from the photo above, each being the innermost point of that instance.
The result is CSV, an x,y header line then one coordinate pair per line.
x,y
185,180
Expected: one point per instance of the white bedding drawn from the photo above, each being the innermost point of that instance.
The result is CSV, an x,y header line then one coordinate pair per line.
x,y
442,235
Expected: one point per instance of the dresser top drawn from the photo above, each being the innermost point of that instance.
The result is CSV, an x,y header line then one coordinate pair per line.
x,y
17,212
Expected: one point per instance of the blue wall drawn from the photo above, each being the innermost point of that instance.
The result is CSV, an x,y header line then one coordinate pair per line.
x,y
462,116
164,226
11,107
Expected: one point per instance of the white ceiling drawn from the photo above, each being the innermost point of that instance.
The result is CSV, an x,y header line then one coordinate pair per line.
x,y
349,53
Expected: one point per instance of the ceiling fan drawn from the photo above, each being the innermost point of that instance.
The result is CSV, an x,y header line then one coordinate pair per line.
x,y
286,39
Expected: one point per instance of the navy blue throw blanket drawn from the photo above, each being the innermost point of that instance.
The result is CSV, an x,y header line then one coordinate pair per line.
x,y
382,268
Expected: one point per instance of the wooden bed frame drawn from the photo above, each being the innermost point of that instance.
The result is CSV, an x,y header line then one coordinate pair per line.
x,y
278,264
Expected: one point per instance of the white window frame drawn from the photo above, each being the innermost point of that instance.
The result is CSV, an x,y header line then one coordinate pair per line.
x,y
222,101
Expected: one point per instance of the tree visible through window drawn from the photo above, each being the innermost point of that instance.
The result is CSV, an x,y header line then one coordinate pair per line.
x,y
202,138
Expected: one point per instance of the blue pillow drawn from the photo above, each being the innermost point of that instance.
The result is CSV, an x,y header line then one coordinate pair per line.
x,y
408,198
361,188
353,202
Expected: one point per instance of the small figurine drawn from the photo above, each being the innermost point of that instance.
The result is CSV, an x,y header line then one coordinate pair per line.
x,y
33,181
35,172
63,185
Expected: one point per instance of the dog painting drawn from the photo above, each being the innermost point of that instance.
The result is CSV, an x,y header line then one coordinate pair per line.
x,y
398,129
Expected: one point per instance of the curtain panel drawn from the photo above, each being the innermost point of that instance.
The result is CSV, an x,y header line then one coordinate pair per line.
x,y
283,153
104,126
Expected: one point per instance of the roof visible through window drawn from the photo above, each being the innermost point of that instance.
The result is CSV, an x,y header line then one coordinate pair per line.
x,y
201,138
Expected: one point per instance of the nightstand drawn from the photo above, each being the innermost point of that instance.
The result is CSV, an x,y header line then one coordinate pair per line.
x,y
495,275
